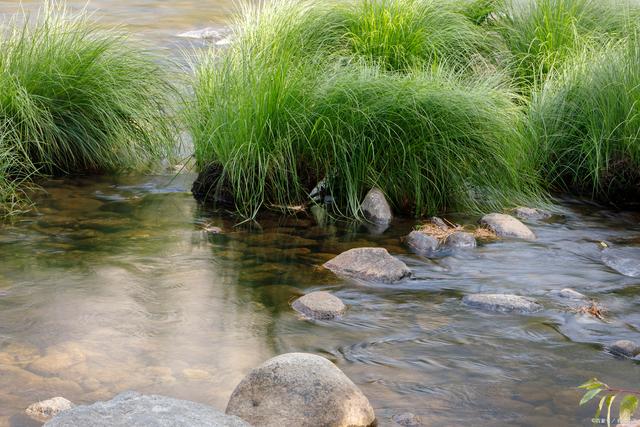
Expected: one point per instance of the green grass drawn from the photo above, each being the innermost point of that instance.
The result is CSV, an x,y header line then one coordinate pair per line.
x,y
542,35
75,98
587,124
361,94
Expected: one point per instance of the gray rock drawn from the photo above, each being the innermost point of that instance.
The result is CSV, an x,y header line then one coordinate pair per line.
x,y
502,302
460,240
319,305
625,261
131,409
422,243
375,207
625,348
407,419
507,226
46,409
302,390
439,222
531,213
373,264
568,293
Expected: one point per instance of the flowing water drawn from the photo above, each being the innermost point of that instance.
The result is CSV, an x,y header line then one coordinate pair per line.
x,y
113,284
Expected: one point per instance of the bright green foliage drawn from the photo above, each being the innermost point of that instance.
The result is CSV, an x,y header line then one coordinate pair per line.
x,y
587,123
542,35
361,94
75,99
608,395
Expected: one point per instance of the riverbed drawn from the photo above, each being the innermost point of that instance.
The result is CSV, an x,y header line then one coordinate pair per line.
x,y
115,284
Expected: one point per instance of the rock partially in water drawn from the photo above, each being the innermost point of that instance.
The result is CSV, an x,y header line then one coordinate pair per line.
x,y
625,348
568,293
46,409
507,226
319,305
374,264
439,222
460,240
502,303
207,33
407,419
422,243
131,409
532,213
625,261
375,207
302,390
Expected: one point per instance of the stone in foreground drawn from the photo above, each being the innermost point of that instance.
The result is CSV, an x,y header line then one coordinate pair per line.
x,y
502,302
460,240
625,348
319,305
507,226
374,264
531,213
375,207
302,390
131,409
422,243
46,409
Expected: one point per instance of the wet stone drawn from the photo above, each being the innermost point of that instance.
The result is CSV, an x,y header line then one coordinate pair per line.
x,y
460,240
375,207
374,264
421,243
319,305
49,408
625,348
507,226
568,293
625,261
407,419
531,213
502,303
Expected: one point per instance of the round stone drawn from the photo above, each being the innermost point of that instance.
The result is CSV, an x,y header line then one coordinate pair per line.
x,y
319,305
507,226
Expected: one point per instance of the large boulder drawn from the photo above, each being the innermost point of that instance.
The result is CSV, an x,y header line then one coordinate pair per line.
x,y
46,409
507,226
319,305
375,207
373,264
502,302
131,409
302,390
421,243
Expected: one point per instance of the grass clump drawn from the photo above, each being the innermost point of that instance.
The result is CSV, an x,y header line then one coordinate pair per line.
x,y
587,123
78,99
542,35
360,95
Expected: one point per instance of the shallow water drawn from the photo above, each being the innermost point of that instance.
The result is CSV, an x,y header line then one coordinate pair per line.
x,y
113,285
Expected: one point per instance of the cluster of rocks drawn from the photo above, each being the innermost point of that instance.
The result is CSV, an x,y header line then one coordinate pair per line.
x,y
293,389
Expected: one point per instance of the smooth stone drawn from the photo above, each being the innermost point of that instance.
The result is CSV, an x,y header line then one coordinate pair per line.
x,y
625,261
568,293
422,243
319,305
373,264
407,419
502,302
460,240
507,226
625,348
531,213
375,207
46,409
302,390
131,409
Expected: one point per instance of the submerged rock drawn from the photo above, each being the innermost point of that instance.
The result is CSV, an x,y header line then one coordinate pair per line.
x,y
502,302
44,410
568,293
407,419
625,261
625,348
375,207
302,390
373,264
207,33
421,243
319,305
532,213
507,226
460,240
131,409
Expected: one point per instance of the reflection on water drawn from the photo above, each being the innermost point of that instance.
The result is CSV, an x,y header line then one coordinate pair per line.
x,y
113,286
